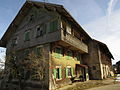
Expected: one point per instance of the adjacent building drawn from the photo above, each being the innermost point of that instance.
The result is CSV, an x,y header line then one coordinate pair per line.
x,y
69,52
99,60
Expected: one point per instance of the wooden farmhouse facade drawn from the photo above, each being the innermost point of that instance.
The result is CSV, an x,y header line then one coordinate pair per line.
x,y
68,52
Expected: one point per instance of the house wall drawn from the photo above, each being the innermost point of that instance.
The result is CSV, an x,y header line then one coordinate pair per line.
x,y
44,67
92,59
40,16
62,62
106,66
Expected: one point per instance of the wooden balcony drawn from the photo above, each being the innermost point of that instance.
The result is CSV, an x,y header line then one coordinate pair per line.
x,y
74,42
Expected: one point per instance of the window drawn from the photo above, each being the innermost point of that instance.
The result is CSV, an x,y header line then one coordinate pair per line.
x,y
41,30
39,51
15,41
58,52
69,54
53,26
58,73
31,18
69,71
69,31
94,67
26,52
27,36
79,57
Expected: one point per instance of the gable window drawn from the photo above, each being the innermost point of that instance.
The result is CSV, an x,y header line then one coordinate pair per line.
x,y
31,18
69,71
41,30
69,54
15,41
53,26
58,52
27,36
58,73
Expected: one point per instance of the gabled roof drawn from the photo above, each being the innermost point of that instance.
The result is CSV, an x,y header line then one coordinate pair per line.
x,y
104,47
27,6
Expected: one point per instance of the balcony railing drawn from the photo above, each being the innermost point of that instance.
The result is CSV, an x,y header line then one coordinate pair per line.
x,y
72,40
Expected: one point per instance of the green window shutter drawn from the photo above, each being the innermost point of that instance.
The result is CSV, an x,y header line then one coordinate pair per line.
x,y
72,71
44,29
58,52
54,71
38,51
66,72
26,53
27,36
53,26
60,73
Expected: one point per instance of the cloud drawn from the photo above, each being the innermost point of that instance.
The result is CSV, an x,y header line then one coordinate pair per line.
x,y
82,10
110,34
111,5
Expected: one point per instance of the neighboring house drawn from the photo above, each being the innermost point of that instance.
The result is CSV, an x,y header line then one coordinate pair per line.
x,y
118,67
99,60
69,51
115,68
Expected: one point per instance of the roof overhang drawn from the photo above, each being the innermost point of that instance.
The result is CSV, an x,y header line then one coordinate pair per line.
x,y
105,48
26,7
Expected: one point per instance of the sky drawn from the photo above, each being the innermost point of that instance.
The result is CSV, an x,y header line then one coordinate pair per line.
x,y
99,18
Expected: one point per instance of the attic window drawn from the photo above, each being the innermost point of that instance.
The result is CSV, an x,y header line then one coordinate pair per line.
x,y
31,17
53,26
40,30
15,41
27,36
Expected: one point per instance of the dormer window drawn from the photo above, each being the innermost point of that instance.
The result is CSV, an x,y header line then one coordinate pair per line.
x,y
40,30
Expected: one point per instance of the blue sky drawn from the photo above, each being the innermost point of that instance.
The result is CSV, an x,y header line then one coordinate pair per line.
x,y
92,15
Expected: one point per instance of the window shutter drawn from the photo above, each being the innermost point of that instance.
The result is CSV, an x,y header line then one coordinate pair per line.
x,y
72,71
38,51
27,36
66,72
54,71
44,29
26,52
60,73
53,26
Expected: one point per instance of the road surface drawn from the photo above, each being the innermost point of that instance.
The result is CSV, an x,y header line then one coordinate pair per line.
x,y
107,87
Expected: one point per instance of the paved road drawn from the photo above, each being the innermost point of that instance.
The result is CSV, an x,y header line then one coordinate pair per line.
x,y
107,87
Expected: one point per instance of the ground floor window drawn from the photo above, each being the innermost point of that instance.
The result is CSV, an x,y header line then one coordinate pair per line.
x,y
58,73
69,71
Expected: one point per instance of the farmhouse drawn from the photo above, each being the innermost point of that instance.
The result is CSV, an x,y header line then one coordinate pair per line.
x,y
67,53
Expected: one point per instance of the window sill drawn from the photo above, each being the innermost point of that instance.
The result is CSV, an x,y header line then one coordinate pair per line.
x,y
58,79
69,76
